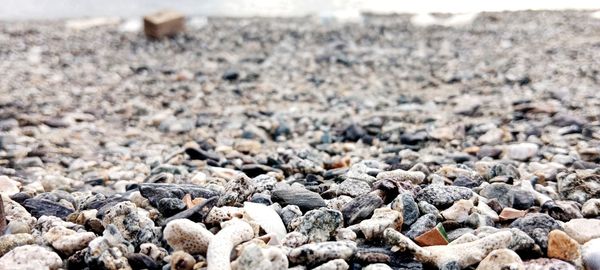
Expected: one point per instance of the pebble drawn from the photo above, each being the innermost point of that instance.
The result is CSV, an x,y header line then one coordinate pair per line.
x,y
261,258
337,264
443,196
10,241
459,211
42,207
422,225
8,186
377,266
361,208
562,210
132,225
548,264
508,195
68,241
353,188
591,208
320,225
405,204
501,259
399,175
563,247
582,230
318,253
537,226
304,199
591,254
180,260
30,257
521,151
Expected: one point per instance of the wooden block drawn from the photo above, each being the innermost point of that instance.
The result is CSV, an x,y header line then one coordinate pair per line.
x,y
163,23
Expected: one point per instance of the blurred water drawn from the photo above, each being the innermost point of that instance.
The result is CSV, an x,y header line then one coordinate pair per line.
x,y
53,9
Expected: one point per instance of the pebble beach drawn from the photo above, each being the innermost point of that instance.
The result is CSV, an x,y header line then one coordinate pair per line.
x,y
389,142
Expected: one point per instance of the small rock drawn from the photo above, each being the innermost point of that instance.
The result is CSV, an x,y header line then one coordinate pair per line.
x,y
170,206
317,253
142,261
508,195
320,224
237,191
548,264
337,264
422,225
501,259
289,214
399,175
11,241
377,266
563,247
294,240
68,241
132,225
580,186
163,23
180,260
582,230
591,208
260,258
537,226
443,196
306,200
459,211
511,213
426,208
405,204
8,186
591,254
30,257
42,207
562,210
521,151
361,208
353,188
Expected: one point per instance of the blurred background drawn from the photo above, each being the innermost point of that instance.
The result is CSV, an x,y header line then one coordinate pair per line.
x,y
55,9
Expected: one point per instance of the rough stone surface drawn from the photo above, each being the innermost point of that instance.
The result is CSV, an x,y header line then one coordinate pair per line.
x,y
443,196
582,230
501,259
563,247
30,257
320,224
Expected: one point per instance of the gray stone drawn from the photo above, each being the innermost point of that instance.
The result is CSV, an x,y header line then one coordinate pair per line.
x,y
353,187
303,198
422,225
537,226
405,203
361,208
237,191
443,196
320,224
